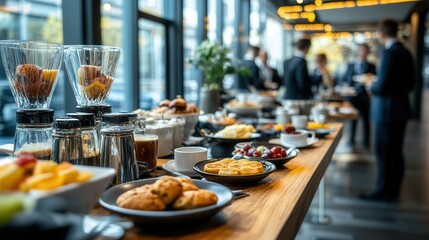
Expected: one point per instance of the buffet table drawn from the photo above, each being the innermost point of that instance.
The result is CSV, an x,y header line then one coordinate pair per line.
x,y
276,206
345,111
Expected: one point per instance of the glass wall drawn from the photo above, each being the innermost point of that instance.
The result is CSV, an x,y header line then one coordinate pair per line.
x,y
152,60
29,20
190,42
111,27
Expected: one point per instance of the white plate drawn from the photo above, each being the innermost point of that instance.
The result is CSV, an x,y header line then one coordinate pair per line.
x,y
7,148
170,167
308,144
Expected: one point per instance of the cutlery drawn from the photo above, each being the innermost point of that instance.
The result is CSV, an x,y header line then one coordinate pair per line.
x,y
239,194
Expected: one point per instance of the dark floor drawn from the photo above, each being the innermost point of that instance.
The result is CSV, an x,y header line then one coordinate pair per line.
x,y
349,174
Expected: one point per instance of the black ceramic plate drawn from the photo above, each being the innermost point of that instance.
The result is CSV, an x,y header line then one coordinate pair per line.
x,y
320,132
276,161
268,169
159,218
233,140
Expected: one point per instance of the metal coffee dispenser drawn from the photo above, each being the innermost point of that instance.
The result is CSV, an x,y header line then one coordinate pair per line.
x,y
117,146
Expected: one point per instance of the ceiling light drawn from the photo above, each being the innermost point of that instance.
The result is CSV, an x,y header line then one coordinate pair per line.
x,y
299,1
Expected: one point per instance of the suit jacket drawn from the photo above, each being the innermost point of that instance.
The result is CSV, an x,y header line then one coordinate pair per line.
x,y
275,77
296,79
316,81
242,82
351,71
390,100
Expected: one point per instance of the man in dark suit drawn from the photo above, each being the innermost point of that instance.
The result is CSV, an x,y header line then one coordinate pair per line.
x,y
296,78
269,75
361,100
390,110
247,83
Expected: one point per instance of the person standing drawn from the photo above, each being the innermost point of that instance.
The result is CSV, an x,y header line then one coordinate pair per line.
x,y
249,83
270,76
296,78
390,110
361,101
321,76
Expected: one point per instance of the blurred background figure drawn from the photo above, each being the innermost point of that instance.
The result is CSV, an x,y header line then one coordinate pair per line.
x,y
252,82
361,101
390,110
321,78
296,78
269,75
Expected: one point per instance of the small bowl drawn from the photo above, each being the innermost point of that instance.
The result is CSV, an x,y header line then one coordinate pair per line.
x,y
246,179
80,197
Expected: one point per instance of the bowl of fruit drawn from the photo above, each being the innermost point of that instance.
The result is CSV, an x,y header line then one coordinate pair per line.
x,y
79,186
273,153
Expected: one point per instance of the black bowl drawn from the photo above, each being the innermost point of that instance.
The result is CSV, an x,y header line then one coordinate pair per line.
x,y
163,218
246,179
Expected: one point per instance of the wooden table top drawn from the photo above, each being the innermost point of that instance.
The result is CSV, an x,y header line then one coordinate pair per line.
x,y
346,111
276,206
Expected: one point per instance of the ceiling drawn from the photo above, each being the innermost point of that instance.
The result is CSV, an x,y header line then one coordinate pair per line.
x,y
357,18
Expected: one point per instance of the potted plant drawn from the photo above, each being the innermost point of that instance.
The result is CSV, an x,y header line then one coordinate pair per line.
x,y
215,62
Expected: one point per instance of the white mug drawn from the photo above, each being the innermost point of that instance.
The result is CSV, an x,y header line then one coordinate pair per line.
x,y
299,121
298,138
186,157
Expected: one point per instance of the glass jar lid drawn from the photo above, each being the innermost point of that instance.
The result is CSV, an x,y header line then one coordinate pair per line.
x,y
34,116
67,123
86,119
97,110
118,118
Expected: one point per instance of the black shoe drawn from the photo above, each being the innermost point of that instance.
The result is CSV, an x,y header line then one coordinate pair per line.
x,y
374,196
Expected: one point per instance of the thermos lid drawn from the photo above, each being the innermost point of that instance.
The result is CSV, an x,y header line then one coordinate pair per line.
x,y
66,123
118,118
86,119
97,110
34,116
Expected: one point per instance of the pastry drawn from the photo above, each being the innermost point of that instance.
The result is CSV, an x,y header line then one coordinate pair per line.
x,y
230,167
142,200
195,199
93,82
164,103
167,188
134,191
187,184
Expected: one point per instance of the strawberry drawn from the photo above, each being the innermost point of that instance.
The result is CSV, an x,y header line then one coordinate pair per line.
x,y
25,158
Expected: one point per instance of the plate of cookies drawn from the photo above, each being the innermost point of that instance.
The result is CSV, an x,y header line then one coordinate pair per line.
x,y
167,200
230,171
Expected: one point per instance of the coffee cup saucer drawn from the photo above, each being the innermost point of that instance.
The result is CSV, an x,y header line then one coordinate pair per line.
x,y
310,142
170,167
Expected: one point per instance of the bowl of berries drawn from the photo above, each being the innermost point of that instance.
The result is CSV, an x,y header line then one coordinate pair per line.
x,y
273,153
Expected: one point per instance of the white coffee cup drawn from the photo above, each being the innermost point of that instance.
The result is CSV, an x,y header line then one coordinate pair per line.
x,y
186,157
299,121
299,138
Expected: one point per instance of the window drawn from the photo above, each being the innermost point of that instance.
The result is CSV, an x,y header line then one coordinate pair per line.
x,y
153,7
36,21
190,42
228,18
274,43
111,28
152,60
212,20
